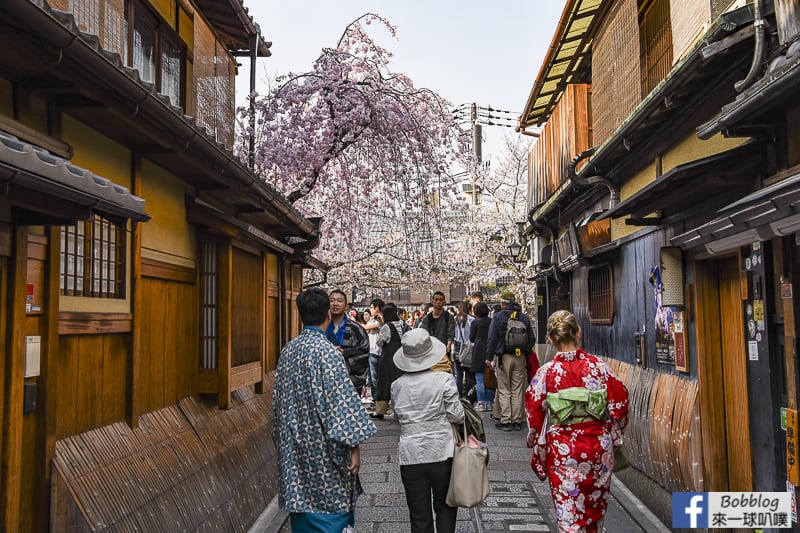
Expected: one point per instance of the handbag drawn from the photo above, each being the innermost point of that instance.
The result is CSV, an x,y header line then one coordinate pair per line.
x,y
489,378
465,354
539,455
469,476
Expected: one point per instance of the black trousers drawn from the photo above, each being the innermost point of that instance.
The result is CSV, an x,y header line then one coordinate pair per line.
x,y
420,481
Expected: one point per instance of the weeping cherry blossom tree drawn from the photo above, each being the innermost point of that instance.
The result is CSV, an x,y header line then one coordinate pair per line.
x,y
358,144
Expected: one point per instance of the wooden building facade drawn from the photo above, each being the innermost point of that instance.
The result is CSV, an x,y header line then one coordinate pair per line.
x,y
147,277
663,214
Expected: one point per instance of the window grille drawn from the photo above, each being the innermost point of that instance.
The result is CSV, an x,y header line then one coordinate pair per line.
x,y
93,259
601,295
155,50
171,62
655,38
208,304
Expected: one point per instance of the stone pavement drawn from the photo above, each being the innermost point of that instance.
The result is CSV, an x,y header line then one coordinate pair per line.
x,y
518,501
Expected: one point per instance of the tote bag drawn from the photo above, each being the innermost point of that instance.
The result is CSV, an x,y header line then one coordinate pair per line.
x,y
469,478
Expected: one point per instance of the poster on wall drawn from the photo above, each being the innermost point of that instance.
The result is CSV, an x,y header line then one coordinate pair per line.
x,y
681,358
664,327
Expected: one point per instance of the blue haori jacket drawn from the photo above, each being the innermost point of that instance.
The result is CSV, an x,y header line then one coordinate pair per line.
x,y
318,419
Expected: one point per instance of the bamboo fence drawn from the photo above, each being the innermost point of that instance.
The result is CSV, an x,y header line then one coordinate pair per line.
x,y
663,434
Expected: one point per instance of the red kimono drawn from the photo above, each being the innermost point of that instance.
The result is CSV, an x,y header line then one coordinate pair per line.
x,y
580,455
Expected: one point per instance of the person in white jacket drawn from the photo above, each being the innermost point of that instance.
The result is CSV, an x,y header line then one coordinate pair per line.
x,y
426,403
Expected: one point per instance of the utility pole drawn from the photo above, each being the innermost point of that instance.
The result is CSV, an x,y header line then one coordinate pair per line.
x,y
477,147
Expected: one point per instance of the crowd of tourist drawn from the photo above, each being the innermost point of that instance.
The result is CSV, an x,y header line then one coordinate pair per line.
x,y
425,369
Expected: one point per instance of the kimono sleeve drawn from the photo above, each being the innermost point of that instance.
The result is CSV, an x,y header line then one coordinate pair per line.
x,y
534,400
617,399
341,414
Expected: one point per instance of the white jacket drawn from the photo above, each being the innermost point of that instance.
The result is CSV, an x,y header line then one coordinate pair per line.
x,y
425,404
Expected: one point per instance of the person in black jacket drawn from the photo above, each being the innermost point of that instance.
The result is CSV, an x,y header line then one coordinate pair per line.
x,y
351,339
511,363
478,335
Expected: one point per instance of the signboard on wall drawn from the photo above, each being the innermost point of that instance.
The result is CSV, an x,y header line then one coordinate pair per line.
x,y
792,467
664,326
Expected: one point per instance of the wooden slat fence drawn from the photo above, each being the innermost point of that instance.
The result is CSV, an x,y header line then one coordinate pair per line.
x,y
188,467
663,434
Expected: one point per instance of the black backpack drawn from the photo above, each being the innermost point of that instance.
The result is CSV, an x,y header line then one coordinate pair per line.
x,y
516,339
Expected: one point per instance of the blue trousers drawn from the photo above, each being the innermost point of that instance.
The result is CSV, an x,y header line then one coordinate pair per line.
x,y
319,522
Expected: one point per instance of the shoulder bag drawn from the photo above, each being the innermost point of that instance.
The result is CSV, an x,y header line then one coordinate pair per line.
x,y
469,477
465,351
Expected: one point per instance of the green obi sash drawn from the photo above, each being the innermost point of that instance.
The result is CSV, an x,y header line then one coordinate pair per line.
x,y
577,404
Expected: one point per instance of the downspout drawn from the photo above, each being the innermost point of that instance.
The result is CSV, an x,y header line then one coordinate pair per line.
x,y
760,47
593,180
282,297
251,155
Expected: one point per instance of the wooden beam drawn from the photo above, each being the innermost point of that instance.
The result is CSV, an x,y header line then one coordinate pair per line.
x,y
14,369
32,136
260,386
224,315
133,404
152,268
782,255
645,221
74,323
48,380
247,374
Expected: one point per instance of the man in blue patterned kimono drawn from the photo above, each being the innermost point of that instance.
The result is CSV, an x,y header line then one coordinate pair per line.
x,y
319,424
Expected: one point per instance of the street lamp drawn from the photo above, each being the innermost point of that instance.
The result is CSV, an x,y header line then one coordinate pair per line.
x,y
514,249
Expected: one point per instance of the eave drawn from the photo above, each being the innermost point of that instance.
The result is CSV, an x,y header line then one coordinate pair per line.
x,y
567,61
668,113
234,25
93,85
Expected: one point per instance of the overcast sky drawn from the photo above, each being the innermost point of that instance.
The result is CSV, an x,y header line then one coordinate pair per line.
x,y
467,51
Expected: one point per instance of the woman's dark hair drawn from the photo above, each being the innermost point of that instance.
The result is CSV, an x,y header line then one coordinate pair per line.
x,y
313,305
390,313
481,309
377,302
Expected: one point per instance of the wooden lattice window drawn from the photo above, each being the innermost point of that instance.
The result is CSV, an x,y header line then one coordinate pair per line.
x,y
154,49
655,40
93,259
601,295
208,304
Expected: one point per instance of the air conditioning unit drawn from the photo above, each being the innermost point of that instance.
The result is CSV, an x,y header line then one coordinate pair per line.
x,y
539,252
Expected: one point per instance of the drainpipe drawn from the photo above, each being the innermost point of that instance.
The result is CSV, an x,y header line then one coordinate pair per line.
x,y
251,156
760,47
593,180
282,298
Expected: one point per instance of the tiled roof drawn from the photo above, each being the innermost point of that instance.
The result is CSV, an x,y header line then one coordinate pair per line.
x,y
38,169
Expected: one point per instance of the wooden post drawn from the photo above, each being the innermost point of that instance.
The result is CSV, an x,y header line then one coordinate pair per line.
x,y
782,257
11,461
48,382
133,407
260,386
224,323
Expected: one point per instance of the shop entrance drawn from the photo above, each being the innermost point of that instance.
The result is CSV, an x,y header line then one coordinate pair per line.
x,y
722,373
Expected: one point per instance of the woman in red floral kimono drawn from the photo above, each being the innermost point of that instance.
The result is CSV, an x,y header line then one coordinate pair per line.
x,y
584,408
